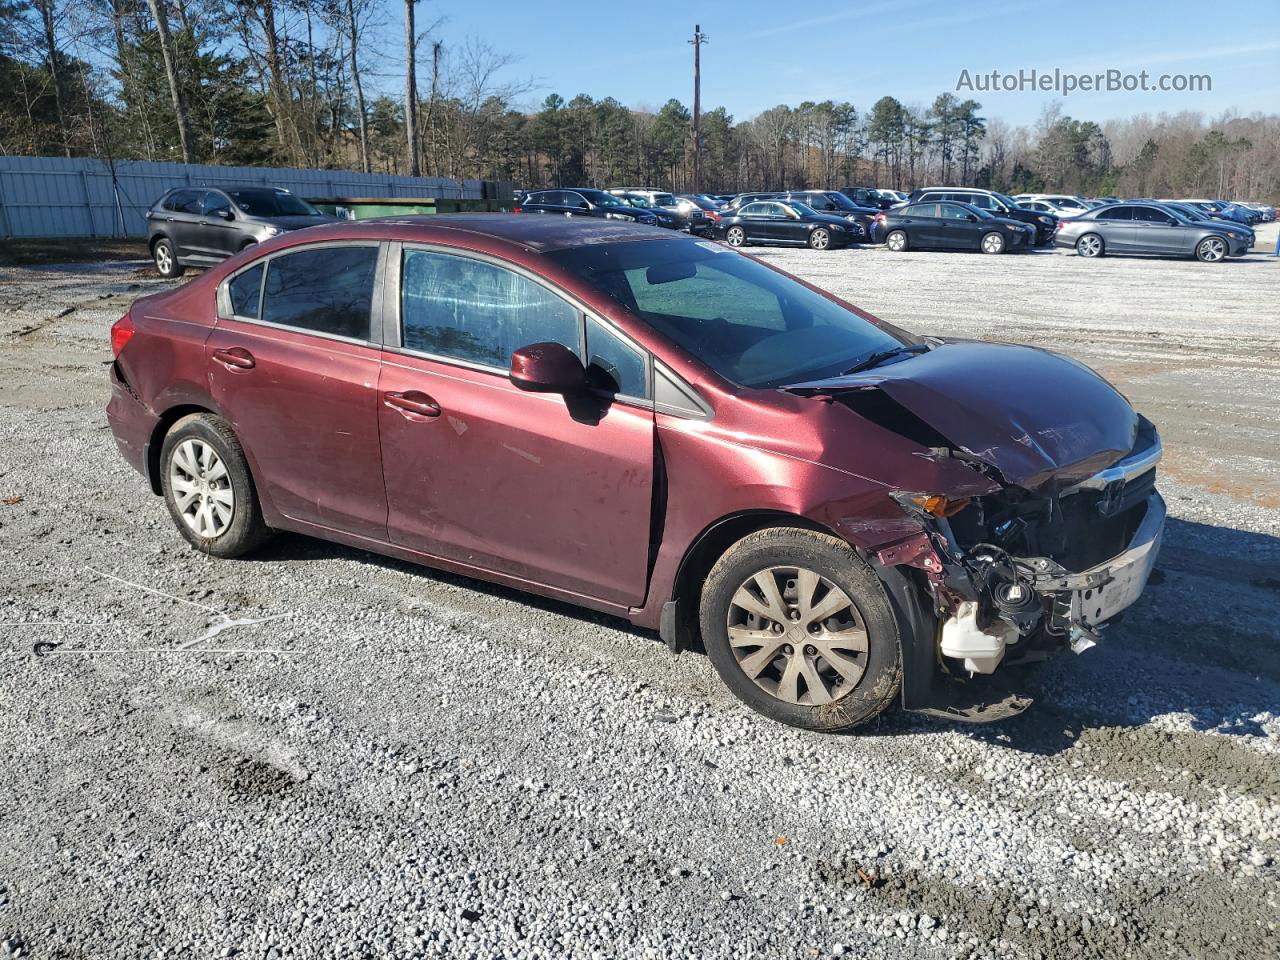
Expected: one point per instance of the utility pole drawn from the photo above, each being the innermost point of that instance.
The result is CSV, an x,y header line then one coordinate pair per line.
x,y
699,38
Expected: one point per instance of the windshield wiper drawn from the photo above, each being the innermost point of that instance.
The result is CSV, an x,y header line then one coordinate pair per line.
x,y
881,356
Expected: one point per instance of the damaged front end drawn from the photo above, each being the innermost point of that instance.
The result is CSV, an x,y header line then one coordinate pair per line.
x,y
1061,541
1017,575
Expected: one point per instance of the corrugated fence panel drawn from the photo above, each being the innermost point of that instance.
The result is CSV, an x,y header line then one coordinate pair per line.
x,y
77,197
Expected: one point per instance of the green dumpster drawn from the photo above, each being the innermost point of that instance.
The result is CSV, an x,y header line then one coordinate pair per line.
x,y
365,208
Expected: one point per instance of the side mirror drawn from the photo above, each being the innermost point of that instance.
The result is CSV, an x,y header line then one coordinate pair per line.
x,y
547,368
226,214
972,217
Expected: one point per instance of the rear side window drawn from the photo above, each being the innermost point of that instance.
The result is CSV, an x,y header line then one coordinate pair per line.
x,y
471,310
921,210
1116,213
245,290
183,201
326,290
612,365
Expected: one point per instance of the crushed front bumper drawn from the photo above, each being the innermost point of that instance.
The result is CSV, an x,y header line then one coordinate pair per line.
x,y
1086,600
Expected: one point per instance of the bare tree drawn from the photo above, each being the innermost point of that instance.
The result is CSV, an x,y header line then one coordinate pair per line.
x,y
171,72
353,37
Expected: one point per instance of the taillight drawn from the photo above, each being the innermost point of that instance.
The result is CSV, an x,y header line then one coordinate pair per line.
x,y
1063,223
516,210
121,333
881,217
712,215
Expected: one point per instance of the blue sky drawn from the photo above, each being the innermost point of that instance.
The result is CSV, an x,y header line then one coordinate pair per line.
x,y
765,53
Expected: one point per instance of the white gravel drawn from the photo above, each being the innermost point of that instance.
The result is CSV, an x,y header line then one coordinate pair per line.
x,y
399,763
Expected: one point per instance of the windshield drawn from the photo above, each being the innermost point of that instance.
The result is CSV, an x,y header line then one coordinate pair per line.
x,y
664,200
802,208
272,203
838,201
752,325
602,199
1007,201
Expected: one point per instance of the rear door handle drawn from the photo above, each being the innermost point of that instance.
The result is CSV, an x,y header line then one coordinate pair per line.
x,y
235,357
412,402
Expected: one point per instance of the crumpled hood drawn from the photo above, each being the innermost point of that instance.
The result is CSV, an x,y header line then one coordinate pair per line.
x,y
1033,415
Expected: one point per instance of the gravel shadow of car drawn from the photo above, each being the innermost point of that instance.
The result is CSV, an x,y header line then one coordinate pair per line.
x,y
1200,644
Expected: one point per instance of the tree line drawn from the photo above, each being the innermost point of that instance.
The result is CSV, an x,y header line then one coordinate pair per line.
x,y
310,83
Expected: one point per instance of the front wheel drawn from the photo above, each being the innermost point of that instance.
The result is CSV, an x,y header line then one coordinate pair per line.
x,y
1211,249
820,239
735,237
799,628
208,488
166,261
1090,245
896,241
992,243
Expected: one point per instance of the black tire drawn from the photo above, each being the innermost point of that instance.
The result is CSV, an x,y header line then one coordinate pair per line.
x,y
246,530
993,242
820,239
897,241
1090,245
166,260
735,236
836,562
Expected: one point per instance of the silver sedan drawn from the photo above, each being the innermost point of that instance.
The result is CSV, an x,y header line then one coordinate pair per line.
x,y
1147,228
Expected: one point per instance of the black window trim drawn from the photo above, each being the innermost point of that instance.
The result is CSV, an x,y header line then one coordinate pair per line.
x,y
392,320
376,302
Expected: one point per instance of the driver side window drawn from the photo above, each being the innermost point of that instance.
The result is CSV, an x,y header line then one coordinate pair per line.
x,y
463,309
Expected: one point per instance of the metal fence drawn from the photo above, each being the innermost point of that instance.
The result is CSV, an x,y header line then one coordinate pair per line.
x,y
84,197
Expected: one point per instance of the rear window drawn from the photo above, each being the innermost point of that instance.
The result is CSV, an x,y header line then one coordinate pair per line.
x,y
245,290
326,290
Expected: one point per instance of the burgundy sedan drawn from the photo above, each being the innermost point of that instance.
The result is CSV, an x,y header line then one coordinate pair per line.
x,y
658,427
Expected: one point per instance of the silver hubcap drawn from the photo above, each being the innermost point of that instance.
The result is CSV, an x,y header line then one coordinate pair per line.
x,y
1090,246
797,636
201,489
819,240
164,260
992,243
1213,249
897,241
736,236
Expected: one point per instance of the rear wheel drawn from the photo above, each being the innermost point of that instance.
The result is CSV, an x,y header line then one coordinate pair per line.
x,y
208,488
800,629
735,236
896,241
992,243
820,239
1090,245
1211,249
166,261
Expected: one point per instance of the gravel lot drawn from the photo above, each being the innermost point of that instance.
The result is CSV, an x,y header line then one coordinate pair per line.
x,y
386,761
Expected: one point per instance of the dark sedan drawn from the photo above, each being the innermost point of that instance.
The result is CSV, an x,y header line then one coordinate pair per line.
x,y
1148,228
950,226
788,223
836,204
585,202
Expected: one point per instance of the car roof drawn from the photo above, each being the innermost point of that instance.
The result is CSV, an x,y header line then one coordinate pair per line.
x,y
541,233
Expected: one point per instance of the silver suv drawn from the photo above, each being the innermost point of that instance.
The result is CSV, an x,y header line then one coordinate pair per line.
x,y
199,226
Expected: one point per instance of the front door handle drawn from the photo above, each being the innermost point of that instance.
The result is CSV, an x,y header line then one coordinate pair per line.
x,y
413,402
235,357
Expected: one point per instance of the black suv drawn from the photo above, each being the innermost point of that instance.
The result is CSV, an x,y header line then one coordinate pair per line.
x,y
867,197
997,204
584,202
198,226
